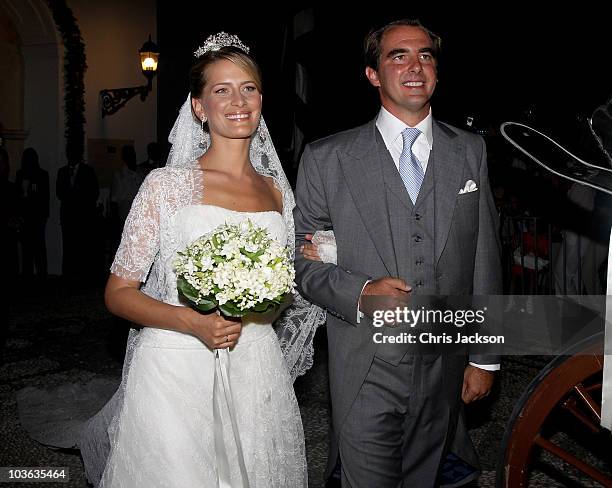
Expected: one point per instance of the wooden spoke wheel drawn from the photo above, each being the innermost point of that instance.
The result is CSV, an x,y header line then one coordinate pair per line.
x,y
567,391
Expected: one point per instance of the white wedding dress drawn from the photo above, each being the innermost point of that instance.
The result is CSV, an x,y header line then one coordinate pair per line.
x,y
163,431
182,417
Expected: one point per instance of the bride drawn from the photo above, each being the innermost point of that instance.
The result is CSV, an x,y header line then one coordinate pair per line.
x,y
204,400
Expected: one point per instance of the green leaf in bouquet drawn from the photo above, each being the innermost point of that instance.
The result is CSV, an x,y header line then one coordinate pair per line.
x,y
188,291
253,256
281,299
262,307
205,305
229,309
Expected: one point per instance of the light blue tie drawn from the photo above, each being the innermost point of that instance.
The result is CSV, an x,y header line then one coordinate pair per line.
x,y
410,168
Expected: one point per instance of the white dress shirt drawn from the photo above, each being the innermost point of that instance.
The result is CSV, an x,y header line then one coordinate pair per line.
x,y
391,128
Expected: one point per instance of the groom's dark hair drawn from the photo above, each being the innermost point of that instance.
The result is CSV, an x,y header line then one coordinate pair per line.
x,y
373,41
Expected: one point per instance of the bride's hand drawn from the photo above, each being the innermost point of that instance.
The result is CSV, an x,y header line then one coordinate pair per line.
x,y
309,250
214,330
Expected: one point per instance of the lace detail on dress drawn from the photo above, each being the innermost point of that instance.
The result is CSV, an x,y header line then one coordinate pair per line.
x,y
149,243
154,441
149,240
148,237
140,238
148,247
295,328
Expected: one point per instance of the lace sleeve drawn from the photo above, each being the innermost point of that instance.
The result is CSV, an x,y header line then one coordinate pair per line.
x,y
140,238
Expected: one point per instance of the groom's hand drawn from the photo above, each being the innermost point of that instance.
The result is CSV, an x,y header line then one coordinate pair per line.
x,y
477,383
389,292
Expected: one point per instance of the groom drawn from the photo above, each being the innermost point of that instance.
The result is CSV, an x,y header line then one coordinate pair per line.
x,y
409,202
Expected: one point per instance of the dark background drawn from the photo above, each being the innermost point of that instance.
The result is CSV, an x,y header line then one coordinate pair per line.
x,y
496,62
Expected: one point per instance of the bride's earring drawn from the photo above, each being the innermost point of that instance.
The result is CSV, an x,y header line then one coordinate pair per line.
x,y
202,140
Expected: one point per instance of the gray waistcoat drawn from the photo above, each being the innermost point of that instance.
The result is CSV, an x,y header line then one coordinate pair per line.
x,y
412,227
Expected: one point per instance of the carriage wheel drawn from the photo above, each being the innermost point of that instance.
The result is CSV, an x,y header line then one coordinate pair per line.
x,y
570,383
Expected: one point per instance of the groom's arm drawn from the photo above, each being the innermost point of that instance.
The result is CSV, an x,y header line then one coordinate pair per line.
x,y
477,378
328,285
487,266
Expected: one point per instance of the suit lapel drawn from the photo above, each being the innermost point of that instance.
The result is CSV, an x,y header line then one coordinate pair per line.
x,y
448,159
362,168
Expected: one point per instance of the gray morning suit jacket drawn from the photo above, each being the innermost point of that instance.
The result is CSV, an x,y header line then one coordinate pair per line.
x,y
348,182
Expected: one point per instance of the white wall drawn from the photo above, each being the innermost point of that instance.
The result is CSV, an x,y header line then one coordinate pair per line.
x,y
11,94
44,121
113,31
43,110
11,85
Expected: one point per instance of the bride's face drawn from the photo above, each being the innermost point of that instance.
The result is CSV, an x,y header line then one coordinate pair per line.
x,y
230,100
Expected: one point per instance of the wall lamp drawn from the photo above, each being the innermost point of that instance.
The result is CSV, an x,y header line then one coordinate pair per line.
x,y
115,98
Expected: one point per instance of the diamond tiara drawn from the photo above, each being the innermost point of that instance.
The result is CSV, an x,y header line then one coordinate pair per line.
x,y
219,40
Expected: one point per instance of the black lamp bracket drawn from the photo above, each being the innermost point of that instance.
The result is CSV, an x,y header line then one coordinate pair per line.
x,y
115,98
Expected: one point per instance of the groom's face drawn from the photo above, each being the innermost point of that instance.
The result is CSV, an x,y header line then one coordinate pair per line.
x,y
406,76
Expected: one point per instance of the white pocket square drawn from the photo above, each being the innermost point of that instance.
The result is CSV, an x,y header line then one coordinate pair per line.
x,y
470,186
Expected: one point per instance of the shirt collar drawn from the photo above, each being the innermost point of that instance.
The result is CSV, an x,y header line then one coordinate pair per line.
x,y
391,127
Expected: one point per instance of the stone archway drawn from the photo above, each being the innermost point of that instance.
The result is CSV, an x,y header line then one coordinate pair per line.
x,y
41,99
11,90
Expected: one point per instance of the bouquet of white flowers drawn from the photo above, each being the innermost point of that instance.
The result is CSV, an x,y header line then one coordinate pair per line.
x,y
238,268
